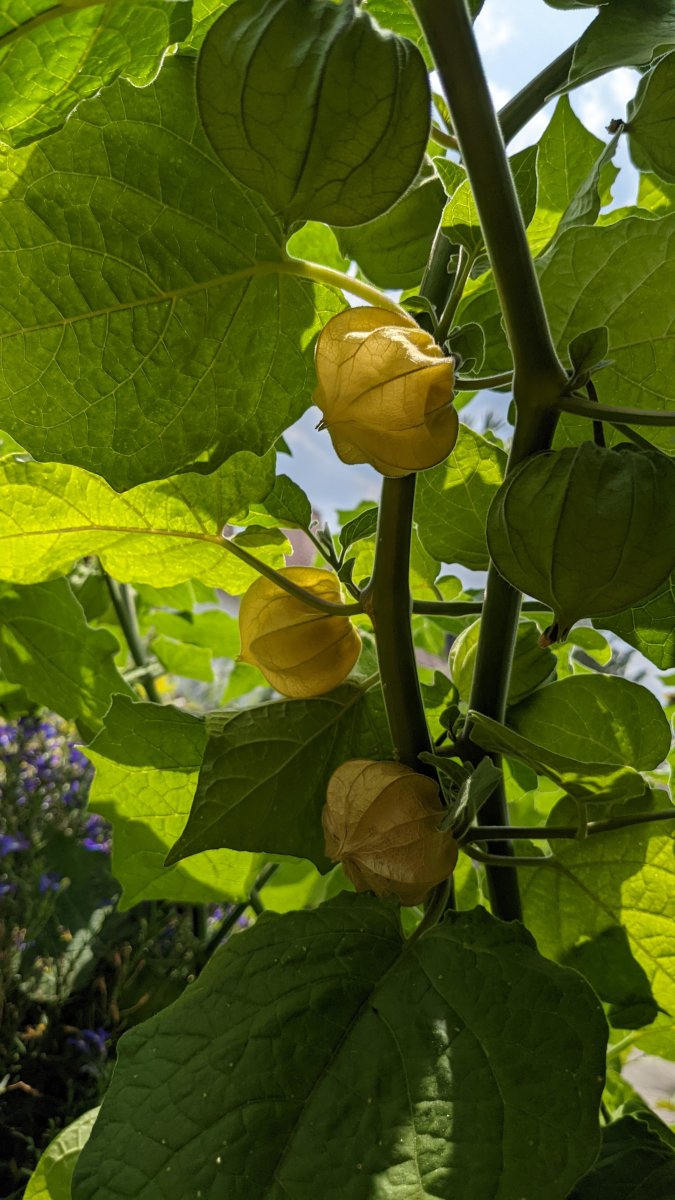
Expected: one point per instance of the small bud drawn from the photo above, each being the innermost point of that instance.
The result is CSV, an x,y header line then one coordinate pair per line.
x,y
300,650
385,391
381,821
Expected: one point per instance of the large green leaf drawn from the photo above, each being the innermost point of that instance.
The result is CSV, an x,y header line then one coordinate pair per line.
x,y
52,1177
48,648
393,250
310,104
453,499
204,13
147,760
263,781
566,155
651,121
135,275
634,1163
650,627
54,55
582,779
597,718
625,877
321,1055
616,272
168,530
185,643
625,33
620,272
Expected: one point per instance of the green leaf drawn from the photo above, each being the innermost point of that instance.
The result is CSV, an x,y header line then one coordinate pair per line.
x,y
624,877
362,526
182,658
453,499
288,504
392,251
587,351
651,120
47,647
169,530
655,195
54,55
624,34
584,207
204,13
147,760
567,162
650,627
318,243
532,664
373,1068
52,1177
136,301
633,1164
310,104
597,718
582,779
607,963
618,272
399,16
460,217
213,630
263,781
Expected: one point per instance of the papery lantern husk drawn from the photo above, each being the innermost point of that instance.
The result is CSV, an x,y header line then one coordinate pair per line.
x,y
381,822
588,530
385,390
301,651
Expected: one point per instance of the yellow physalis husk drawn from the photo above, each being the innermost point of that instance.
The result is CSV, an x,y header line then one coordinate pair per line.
x,y
300,650
381,822
385,391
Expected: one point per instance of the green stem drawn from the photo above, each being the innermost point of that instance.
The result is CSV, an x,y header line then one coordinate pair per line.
x,y
539,377
614,412
465,262
125,609
488,833
522,107
505,379
631,436
436,280
338,279
443,138
387,600
293,589
463,608
450,36
508,861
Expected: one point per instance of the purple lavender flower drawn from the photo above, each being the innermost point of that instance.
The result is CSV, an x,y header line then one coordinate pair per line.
x,y
89,1041
6,888
50,881
98,834
11,842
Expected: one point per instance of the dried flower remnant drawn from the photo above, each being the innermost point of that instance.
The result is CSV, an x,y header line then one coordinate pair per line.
x,y
381,822
300,650
385,391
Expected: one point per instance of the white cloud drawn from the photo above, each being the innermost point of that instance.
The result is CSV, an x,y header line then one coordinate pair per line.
x,y
494,28
623,84
499,95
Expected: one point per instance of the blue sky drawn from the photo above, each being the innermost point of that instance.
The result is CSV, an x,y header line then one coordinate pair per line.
x,y
517,39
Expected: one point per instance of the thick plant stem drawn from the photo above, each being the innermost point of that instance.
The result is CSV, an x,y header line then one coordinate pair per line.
x,y
539,377
387,600
518,111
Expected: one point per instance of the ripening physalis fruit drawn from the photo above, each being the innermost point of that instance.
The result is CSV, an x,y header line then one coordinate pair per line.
x,y
589,531
381,822
300,650
385,391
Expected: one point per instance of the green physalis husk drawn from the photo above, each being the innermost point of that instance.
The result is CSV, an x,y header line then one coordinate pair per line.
x,y
589,531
